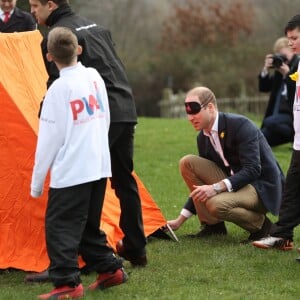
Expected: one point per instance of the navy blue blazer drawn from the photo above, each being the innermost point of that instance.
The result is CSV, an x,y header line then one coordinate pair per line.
x,y
19,21
249,156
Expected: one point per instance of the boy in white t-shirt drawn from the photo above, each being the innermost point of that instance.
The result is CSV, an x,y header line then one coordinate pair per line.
x,y
282,232
73,145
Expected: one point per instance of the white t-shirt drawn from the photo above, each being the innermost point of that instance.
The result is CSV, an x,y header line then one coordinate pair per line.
x,y
296,110
73,131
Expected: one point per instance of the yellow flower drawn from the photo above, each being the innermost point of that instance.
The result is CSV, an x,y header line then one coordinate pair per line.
x,y
222,134
294,76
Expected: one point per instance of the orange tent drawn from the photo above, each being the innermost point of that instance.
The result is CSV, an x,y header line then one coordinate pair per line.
x,y
22,86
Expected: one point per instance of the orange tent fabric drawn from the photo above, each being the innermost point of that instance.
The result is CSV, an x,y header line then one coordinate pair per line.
x,y
22,86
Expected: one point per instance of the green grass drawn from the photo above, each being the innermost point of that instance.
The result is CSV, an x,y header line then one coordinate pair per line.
x,y
217,268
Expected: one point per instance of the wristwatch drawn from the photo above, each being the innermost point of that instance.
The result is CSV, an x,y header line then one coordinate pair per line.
x,y
217,188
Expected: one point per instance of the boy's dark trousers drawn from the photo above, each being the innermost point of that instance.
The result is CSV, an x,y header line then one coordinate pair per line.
x,y
289,214
72,228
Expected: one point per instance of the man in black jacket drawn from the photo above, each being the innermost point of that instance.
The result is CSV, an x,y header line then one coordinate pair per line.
x,y
13,19
99,52
277,125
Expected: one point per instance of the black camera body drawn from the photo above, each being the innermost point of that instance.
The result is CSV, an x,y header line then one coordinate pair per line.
x,y
278,60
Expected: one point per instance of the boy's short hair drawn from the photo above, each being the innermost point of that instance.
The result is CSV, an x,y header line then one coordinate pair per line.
x,y
62,45
292,24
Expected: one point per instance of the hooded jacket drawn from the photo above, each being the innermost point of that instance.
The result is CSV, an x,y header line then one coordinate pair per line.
x,y
99,53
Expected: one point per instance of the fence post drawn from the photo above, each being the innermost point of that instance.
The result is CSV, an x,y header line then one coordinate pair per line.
x,y
242,102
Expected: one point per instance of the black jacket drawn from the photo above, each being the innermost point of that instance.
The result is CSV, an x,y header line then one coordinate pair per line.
x,y
99,53
19,21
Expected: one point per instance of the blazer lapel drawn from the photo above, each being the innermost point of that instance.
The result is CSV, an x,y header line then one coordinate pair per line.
x,y
222,130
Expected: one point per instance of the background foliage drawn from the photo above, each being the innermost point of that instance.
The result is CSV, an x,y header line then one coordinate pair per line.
x,y
180,43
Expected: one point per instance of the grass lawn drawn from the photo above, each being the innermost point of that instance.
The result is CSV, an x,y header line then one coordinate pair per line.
x,y
216,268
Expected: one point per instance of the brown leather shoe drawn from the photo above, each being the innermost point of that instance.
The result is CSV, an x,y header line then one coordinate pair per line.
x,y
136,261
209,230
37,277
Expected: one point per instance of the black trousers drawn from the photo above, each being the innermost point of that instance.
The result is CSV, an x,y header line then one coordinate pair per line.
x,y
72,228
289,214
121,140
278,129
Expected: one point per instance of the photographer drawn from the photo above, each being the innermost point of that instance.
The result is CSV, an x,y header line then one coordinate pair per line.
x,y
277,125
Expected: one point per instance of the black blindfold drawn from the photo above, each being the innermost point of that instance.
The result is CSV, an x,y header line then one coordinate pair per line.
x,y
192,108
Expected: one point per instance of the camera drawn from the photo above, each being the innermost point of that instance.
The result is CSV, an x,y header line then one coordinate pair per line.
x,y
278,60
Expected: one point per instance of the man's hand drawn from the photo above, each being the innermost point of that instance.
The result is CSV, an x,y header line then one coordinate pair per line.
x,y
268,62
283,69
202,193
175,224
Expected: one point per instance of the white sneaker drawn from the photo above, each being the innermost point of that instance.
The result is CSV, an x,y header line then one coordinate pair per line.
x,y
274,242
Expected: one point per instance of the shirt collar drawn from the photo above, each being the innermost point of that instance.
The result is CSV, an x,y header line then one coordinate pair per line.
x,y
215,125
67,69
2,12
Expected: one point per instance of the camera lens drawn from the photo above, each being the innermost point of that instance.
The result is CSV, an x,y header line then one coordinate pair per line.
x,y
278,60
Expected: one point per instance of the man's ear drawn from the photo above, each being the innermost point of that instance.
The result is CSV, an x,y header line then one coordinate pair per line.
x,y
52,5
79,50
211,106
49,57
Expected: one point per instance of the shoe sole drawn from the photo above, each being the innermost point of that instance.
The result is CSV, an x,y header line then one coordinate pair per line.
x,y
207,236
63,295
37,277
70,297
262,246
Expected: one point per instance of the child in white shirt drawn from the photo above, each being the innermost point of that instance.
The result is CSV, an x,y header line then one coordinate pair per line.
x,y
73,145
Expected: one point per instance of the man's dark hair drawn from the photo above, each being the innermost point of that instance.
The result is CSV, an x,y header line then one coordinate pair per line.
x,y
58,2
292,24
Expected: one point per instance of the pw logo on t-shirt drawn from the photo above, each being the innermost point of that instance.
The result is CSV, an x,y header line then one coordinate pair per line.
x,y
90,105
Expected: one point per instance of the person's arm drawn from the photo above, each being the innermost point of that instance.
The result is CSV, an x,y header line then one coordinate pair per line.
x,y
189,206
246,162
187,211
50,138
264,77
